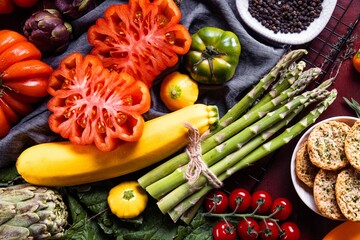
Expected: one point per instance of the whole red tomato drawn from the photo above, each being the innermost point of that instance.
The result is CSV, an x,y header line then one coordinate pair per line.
x,y
268,230
92,104
216,202
248,229
239,200
25,3
356,60
224,231
6,6
261,200
23,78
283,207
290,231
141,38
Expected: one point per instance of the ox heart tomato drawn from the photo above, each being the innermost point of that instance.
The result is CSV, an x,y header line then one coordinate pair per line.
x,y
142,38
23,78
92,104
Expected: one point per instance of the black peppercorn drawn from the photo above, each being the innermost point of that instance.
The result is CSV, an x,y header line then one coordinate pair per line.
x,y
286,16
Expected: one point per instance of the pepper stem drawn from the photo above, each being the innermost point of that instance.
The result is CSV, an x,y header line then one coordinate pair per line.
x,y
208,54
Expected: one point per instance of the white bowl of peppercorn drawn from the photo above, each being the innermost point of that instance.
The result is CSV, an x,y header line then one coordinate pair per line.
x,y
293,22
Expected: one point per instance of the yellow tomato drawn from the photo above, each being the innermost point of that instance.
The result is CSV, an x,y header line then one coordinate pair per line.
x,y
348,230
356,60
178,90
127,199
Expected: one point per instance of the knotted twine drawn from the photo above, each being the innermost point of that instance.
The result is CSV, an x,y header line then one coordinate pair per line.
x,y
196,165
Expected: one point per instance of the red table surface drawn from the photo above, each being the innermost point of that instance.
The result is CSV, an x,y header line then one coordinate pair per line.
x,y
277,179
274,174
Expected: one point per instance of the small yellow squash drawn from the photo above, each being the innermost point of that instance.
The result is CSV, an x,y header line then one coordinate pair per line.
x,y
67,164
178,90
127,199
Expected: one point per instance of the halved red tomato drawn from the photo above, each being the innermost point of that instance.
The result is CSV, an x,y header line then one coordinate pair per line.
x,y
92,104
141,38
23,78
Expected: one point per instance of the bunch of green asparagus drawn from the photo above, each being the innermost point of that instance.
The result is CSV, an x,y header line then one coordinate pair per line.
x,y
248,132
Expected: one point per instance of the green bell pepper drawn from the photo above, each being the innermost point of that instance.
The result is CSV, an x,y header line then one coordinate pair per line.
x,y
213,55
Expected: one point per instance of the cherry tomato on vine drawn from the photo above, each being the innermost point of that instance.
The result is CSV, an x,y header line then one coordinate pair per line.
x,y
268,230
290,231
284,208
239,200
262,198
216,202
224,231
248,229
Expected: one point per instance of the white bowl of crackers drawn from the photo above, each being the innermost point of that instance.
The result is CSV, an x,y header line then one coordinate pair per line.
x,y
325,168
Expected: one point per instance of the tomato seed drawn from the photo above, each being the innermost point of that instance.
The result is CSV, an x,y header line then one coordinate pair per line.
x,y
82,120
138,18
127,101
71,100
121,118
161,20
170,38
100,126
69,112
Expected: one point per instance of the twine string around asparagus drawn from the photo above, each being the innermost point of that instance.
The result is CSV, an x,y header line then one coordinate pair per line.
x,y
196,165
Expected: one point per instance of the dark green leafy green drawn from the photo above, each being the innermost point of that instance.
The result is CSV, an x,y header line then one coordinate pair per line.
x,y
8,176
91,219
82,225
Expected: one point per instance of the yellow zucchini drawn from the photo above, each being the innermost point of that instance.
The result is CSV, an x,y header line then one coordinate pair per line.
x,y
66,164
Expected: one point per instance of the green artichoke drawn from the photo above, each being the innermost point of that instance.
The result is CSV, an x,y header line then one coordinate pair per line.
x,y
48,31
31,212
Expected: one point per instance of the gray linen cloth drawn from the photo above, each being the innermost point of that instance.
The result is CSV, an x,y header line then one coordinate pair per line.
x,y
256,59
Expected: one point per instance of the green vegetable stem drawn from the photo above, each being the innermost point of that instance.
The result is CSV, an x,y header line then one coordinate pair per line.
x,y
247,132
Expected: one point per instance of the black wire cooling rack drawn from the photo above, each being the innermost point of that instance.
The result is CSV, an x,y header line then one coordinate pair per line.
x,y
331,46
326,51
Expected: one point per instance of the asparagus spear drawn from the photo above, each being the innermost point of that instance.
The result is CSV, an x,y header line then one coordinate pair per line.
x,y
238,109
224,134
287,78
172,198
286,136
254,143
171,181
